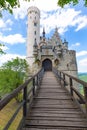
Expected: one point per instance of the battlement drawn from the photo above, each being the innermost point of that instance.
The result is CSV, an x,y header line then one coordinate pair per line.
x,y
72,52
33,9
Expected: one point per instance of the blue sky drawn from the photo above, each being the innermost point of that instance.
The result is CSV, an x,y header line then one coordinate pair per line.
x,y
71,22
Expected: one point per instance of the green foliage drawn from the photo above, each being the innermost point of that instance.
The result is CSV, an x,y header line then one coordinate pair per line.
x,y
83,77
1,51
61,3
12,74
9,5
17,64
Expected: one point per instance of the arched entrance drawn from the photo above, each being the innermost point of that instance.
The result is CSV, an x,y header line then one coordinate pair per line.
x,y
47,65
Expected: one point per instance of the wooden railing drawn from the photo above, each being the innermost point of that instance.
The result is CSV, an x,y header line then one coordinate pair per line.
x,y
72,82
28,89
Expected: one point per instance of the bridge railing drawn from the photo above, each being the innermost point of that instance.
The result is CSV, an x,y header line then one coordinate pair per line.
x,y
29,90
69,82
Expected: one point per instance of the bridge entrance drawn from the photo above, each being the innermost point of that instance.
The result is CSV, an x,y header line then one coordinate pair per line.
x,y
47,65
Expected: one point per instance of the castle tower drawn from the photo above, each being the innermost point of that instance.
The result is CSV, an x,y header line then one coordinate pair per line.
x,y
33,32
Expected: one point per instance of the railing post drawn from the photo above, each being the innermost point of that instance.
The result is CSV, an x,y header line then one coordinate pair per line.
x,y
85,95
37,80
64,80
25,102
60,77
71,84
33,86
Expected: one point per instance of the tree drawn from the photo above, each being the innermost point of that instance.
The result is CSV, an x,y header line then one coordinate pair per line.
x,y
9,5
61,3
1,50
12,74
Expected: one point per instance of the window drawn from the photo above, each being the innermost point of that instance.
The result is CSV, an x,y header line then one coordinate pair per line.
x,y
35,24
35,32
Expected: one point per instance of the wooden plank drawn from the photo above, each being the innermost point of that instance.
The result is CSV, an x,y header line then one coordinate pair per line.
x,y
54,97
54,106
56,123
64,115
53,109
56,118
57,91
57,111
59,128
53,102
53,94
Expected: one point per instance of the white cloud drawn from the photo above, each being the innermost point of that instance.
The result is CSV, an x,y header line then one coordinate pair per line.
x,y
22,11
82,65
4,48
83,62
8,57
5,24
2,23
9,22
76,44
45,5
63,19
12,39
52,15
42,5
81,53
81,21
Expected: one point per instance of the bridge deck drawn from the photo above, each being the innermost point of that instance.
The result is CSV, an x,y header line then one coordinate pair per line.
x,y
53,109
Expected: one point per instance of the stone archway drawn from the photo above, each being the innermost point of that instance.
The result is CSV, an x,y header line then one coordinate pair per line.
x,y
47,65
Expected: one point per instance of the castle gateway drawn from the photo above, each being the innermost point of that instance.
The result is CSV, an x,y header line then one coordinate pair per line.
x,y
47,53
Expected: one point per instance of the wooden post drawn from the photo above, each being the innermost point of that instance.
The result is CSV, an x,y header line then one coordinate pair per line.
x,y
37,80
85,95
33,86
60,77
64,83
25,102
71,84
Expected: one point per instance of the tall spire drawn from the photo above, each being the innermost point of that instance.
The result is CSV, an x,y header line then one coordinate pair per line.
x,y
56,29
43,32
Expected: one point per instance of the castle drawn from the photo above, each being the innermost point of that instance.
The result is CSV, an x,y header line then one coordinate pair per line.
x,y
47,53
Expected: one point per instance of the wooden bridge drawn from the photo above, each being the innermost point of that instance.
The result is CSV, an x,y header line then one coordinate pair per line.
x,y
50,102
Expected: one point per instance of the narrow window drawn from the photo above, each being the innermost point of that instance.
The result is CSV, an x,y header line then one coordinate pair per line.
x,y
35,32
35,24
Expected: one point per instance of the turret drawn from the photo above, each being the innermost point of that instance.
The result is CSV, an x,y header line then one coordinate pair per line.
x,y
33,32
65,43
43,34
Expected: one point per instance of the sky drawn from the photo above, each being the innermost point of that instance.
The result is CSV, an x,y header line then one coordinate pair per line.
x,y
70,20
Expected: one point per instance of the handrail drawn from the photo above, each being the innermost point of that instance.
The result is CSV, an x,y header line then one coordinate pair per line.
x,y
36,80
14,93
62,76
